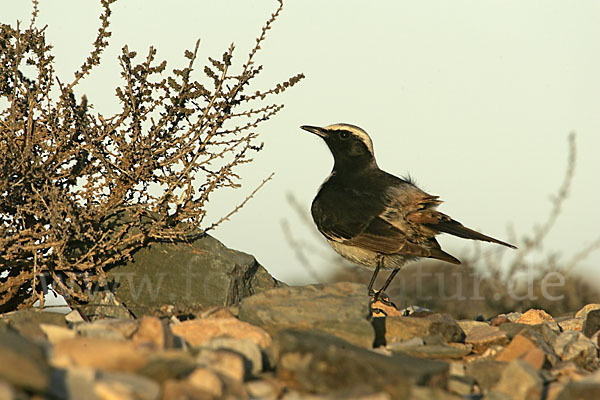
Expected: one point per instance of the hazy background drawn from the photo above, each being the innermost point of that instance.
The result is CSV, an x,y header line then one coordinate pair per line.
x,y
475,99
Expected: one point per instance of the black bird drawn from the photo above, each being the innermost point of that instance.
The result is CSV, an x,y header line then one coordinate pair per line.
x,y
376,219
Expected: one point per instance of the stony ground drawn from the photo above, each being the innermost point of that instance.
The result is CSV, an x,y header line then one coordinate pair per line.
x,y
310,342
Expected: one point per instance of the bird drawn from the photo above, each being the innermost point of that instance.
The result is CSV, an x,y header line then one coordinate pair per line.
x,y
373,218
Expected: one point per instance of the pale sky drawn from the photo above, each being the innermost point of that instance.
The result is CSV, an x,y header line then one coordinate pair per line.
x,y
474,99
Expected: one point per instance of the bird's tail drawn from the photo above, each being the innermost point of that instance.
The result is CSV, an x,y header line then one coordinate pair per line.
x,y
457,229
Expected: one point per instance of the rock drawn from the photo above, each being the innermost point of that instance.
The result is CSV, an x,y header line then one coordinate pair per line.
x,y
462,385
103,305
266,390
109,355
512,317
188,275
23,363
580,391
74,317
522,348
340,309
7,392
109,329
571,324
253,357
520,381
165,365
512,329
27,322
73,383
55,333
435,351
486,372
399,329
583,311
534,317
468,325
153,334
569,371
318,362
224,362
591,324
122,385
572,345
207,381
425,393
197,332
482,337
173,389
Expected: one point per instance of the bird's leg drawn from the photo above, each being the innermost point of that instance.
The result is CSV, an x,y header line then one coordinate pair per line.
x,y
386,300
374,276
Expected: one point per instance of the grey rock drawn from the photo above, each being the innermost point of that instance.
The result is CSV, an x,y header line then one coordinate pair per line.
x,y
253,357
573,345
429,393
163,366
521,381
591,324
318,362
104,304
462,385
434,351
486,372
27,322
189,275
399,329
340,309
23,363
512,329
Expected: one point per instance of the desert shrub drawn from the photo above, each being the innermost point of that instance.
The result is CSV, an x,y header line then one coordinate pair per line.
x,y
487,283
80,191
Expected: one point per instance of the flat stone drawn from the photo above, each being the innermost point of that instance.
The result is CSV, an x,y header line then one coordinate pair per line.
x,y
399,329
572,345
27,322
197,332
23,363
170,364
55,333
173,389
483,337
534,317
462,385
340,309
468,325
318,362
512,329
522,348
73,383
521,381
580,391
226,363
583,311
109,355
207,381
119,385
253,357
109,328
422,393
486,372
189,275
435,351
74,317
591,324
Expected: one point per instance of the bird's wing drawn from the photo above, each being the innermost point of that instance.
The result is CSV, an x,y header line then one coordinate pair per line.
x,y
414,212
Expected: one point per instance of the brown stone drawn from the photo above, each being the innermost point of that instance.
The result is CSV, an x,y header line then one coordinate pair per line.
x,y
224,362
399,329
571,324
173,389
482,337
56,333
109,355
583,311
207,381
522,348
520,381
534,317
152,334
467,325
199,331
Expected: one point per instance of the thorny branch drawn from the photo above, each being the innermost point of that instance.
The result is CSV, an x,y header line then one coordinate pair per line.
x,y
82,191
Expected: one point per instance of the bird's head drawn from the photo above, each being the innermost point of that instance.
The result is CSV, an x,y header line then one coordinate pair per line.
x,y
350,145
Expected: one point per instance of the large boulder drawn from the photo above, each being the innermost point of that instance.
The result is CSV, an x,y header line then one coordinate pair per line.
x,y
188,276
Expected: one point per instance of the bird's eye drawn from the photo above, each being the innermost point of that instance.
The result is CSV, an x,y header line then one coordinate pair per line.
x,y
344,134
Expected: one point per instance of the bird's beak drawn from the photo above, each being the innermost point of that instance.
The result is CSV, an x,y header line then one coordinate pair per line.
x,y
315,129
